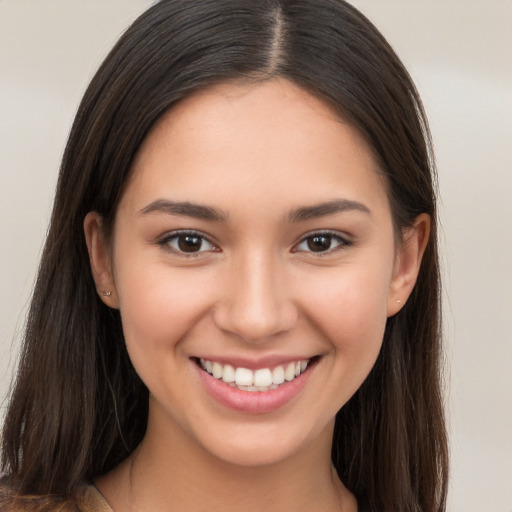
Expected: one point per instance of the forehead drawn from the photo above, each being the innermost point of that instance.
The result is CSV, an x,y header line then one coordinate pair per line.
x,y
272,141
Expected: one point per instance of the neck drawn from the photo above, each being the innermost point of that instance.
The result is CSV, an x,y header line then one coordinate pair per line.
x,y
178,474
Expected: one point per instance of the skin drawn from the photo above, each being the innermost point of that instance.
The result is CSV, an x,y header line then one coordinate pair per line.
x,y
254,290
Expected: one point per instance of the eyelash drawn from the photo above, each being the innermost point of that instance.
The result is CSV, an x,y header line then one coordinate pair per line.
x,y
342,242
165,242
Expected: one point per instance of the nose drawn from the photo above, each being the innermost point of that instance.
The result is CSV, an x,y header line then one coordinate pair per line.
x,y
256,303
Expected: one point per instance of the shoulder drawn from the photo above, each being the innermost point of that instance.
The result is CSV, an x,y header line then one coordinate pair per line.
x,y
12,501
89,499
85,498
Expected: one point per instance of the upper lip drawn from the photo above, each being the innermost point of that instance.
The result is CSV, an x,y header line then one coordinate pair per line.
x,y
254,363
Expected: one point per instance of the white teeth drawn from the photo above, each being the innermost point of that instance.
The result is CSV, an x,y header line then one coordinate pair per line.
x,y
263,379
247,388
278,375
228,375
217,370
243,377
289,373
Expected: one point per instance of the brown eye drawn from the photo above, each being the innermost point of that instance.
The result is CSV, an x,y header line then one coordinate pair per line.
x,y
187,243
321,243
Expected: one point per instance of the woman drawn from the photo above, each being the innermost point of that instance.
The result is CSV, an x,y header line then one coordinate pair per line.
x,y
238,301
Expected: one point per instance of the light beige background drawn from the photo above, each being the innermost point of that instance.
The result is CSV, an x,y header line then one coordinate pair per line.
x,y
460,54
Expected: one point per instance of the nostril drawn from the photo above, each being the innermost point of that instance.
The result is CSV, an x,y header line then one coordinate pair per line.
x,y
255,322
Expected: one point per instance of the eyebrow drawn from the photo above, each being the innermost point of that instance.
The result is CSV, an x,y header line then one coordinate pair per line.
x,y
303,213
327,208
184,208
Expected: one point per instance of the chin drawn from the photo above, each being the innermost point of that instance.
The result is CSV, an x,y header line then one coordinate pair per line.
x,y
253,446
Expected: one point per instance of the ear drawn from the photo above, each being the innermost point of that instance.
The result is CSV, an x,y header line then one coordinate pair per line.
x,y
407,263
99,257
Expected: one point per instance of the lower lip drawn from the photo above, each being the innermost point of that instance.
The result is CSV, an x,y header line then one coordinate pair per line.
x,y
255,402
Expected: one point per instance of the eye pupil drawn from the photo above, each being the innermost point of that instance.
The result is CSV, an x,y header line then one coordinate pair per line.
x,y
190,243
319,243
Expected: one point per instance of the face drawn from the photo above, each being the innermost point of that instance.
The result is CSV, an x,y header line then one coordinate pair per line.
x,y
254,265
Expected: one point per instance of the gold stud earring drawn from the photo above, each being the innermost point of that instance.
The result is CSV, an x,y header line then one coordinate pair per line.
x,y
106,293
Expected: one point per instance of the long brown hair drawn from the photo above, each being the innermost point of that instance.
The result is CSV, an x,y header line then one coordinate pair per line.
x,y
78,408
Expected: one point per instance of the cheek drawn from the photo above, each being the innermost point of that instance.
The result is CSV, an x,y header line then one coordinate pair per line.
x,y
352,300
159,306
349,308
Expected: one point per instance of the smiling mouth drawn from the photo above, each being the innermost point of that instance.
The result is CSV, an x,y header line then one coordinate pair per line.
x,y
262,379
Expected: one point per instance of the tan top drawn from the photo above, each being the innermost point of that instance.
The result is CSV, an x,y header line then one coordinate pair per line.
x,y
86,498
89,499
